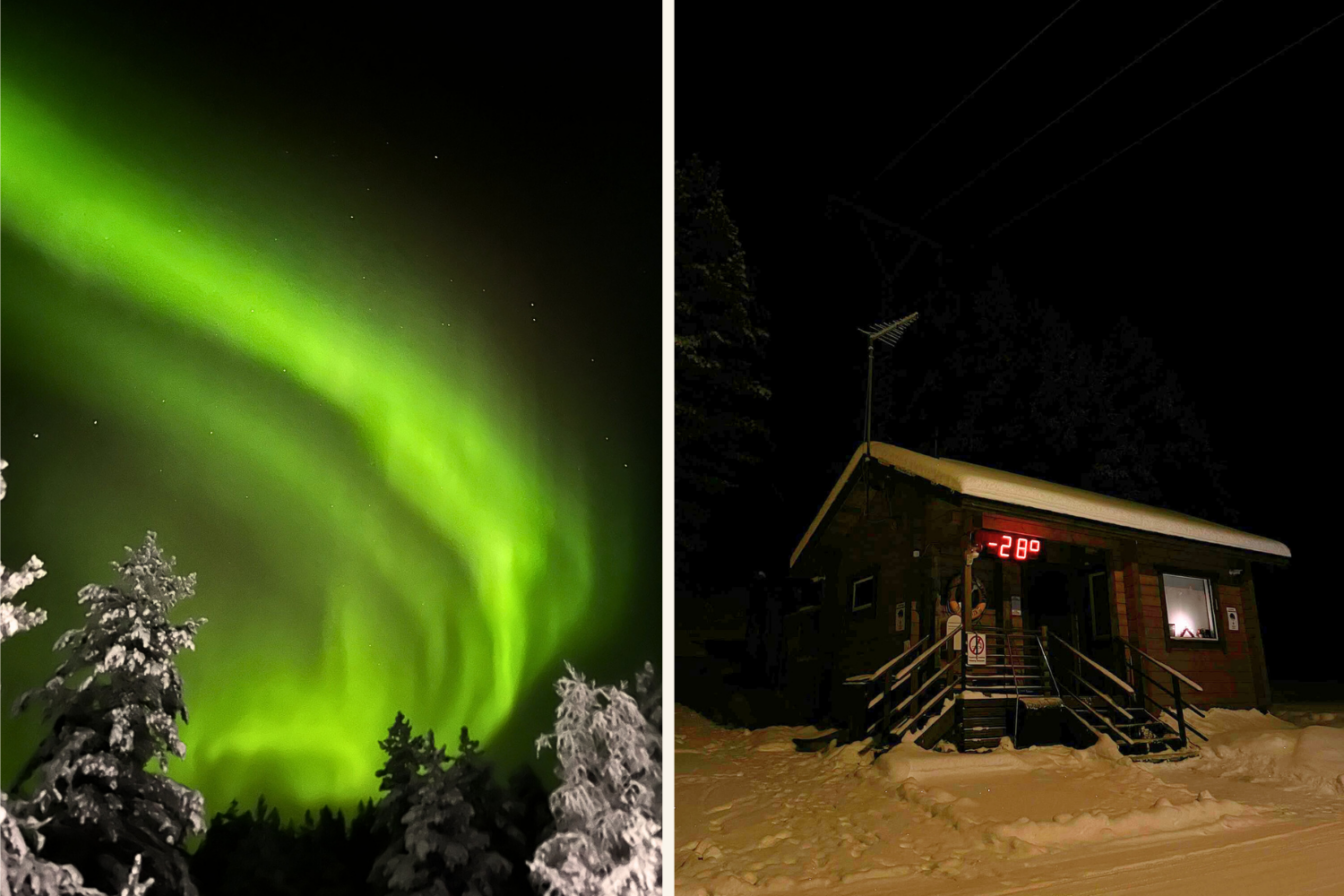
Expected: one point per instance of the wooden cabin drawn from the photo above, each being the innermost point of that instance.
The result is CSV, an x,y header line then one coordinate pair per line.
x,y
1115,617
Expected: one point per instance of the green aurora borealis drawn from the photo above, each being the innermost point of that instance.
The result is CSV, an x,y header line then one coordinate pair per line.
x,y
385,511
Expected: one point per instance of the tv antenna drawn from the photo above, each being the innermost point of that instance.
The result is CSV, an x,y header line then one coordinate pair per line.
x,y
888,333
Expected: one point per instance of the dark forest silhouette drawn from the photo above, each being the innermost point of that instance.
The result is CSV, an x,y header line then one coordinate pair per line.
x,y
985,375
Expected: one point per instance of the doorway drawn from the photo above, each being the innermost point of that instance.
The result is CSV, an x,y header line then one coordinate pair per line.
x,y
1073,601
1050,599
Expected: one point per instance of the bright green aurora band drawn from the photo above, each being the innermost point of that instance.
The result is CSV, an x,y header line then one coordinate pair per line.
x,y
434,561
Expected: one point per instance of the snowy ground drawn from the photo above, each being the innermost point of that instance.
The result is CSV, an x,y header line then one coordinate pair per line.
x,y
1261,811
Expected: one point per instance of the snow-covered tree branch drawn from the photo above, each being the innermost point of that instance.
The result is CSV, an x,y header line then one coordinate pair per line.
x,y
608,810
15,618
113,705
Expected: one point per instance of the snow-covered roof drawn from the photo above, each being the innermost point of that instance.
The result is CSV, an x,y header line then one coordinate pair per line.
x,y
1024,491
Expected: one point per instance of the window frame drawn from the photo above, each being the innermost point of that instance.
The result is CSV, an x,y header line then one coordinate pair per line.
x,y
1215,609
854,583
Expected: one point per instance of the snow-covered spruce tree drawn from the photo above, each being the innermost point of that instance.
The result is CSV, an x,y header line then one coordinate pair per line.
x,y
113,704
437,847
608,808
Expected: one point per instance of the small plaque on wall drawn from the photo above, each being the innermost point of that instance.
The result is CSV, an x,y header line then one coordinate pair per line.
x,y
1233,622
1016,601
900,618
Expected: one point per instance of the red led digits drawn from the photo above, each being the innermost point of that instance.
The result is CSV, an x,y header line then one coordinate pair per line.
x,y
1009,547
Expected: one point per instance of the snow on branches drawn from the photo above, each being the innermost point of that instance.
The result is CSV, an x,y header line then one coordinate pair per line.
x,y
15,618
26,872
608,808
113,704
438,846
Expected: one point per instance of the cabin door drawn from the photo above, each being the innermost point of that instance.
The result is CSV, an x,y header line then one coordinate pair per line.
x,y
1051,600
1048,600
1098,636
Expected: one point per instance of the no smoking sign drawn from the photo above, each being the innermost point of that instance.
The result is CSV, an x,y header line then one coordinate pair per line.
x,y
975,649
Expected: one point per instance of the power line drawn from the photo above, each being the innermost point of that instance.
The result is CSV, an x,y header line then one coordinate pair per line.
x,y
896,161
1013,220
1135,61
865,212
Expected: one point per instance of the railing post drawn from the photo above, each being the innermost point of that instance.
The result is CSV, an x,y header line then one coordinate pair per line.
x,y
1044,644
965,649
1180,710
886,708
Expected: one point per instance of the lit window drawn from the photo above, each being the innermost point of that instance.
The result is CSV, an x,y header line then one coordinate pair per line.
x,y
861,593
1190,614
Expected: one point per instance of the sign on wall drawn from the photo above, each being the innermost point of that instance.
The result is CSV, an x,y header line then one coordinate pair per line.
x,y
1233,623
975,649
900,617
1016,603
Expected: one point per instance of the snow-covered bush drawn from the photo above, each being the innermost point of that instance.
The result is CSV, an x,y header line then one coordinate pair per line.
x,y
438,846
608,808
113,704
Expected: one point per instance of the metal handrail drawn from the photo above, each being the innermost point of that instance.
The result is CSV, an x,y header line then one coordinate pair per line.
x,y
932,678
1103,695
1161,665
1188,727
889,685
1092,709
914,717
905,673
1094,664
1157,684
1017,689
1063,691
1045,659
889,663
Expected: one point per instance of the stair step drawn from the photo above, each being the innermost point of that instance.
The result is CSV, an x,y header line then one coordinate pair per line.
x,y
1171,755
1006,675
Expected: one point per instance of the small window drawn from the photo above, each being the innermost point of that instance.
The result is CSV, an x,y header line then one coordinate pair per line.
x,y
861,593
1190,615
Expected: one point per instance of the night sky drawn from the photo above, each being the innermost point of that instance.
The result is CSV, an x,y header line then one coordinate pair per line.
x,y
1218,236
360,314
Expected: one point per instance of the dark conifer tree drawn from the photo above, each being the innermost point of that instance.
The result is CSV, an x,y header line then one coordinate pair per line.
x,y
720,432
113,706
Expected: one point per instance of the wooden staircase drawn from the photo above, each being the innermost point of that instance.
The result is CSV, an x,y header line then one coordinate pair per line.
x,y
1013,668
1100,702
934,691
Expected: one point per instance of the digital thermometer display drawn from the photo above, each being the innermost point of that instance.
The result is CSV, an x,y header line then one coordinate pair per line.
x,y
1007,546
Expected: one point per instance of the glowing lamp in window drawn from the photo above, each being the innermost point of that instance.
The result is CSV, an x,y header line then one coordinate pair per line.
x,y
1190,612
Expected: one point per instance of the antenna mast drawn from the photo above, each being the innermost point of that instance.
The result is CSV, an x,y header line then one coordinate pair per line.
x,y
888,333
